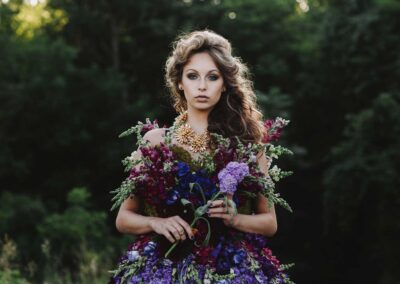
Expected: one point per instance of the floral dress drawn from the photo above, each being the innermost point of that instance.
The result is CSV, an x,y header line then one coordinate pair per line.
x,y
228,255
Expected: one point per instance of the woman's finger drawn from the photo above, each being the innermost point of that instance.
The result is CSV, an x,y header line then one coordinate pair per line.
x,y
220,215
217,203
220,210
185,226
168,235
175,232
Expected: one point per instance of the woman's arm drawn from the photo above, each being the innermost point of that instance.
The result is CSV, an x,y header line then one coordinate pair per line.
x,y
131,222
263,222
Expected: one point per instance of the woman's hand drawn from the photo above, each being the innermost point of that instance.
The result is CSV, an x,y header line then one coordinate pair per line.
x,y
224,210
173,228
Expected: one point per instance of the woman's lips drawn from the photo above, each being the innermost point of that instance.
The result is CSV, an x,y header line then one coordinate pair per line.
x,y
201,98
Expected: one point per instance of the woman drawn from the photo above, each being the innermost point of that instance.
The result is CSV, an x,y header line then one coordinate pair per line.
x,y
211,90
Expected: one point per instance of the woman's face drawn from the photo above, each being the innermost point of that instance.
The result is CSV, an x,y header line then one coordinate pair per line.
x,y
201,82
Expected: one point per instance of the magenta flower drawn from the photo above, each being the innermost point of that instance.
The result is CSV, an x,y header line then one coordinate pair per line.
x,y
273,129
150,125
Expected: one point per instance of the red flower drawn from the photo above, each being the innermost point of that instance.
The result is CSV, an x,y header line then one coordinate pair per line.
x,y
248,246
204,255
268,253
139,243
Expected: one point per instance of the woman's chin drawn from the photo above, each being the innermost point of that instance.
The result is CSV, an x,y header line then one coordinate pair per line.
x,y
202,106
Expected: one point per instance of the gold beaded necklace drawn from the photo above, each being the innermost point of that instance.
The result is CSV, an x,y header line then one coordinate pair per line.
x,y
186,135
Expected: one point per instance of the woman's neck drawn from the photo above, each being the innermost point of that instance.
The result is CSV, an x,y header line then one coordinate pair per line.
x,y
198,120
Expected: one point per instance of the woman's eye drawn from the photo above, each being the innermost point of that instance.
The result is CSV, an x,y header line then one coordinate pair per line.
x,y
213,77
192,76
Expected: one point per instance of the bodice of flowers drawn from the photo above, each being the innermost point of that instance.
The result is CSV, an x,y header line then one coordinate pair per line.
x,y
170,182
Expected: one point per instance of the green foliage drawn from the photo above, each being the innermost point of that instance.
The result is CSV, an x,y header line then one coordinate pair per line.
x,y
362,195
48,103
19,216
275,103
74,246
76,242
74,227
78,197
9,272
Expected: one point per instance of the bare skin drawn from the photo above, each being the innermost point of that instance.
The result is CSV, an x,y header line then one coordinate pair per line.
x,y
200,77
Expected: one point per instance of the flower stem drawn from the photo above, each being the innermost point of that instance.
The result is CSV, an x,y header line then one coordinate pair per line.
x,y
196,218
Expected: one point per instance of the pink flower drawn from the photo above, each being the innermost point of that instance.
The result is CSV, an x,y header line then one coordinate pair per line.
x,y
273,129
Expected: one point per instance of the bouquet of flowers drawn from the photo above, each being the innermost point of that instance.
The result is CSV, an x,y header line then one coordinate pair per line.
x,y
169,176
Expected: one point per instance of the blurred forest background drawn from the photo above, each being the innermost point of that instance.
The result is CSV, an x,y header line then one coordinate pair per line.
x,y
74,74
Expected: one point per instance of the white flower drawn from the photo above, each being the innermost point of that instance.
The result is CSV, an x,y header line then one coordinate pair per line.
x,y
132,156
253,158
167,166
274,172
280,122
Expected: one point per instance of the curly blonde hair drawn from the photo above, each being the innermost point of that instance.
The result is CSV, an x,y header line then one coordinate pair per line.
x,y
236,113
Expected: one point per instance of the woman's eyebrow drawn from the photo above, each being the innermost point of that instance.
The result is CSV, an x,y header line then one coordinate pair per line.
x,y
207,72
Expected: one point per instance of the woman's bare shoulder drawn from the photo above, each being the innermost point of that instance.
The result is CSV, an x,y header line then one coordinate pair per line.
x,y
155,136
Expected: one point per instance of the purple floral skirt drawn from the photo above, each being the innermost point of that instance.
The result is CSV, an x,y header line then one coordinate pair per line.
x,y
230,260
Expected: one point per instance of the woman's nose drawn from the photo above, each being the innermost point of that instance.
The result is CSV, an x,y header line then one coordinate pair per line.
x,y
202,85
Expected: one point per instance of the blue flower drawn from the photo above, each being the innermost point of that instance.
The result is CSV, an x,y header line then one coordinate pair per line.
x,y
236,200
211,190
230,249
133,255
150,248
239,256
223,265
216,250
173,196
183,169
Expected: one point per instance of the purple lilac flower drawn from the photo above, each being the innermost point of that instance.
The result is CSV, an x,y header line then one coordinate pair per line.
x,y
228,183
238,170
231,175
